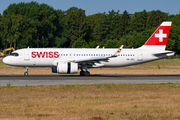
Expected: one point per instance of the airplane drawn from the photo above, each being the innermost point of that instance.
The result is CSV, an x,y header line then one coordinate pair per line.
x,y
69,60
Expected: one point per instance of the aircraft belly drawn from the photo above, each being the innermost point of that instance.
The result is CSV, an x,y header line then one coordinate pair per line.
x,y
120,62
35,63
42,62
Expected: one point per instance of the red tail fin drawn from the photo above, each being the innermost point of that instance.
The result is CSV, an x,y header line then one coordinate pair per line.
x,y
160,36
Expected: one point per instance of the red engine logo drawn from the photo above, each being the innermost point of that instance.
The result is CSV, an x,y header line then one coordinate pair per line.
x,y
45,54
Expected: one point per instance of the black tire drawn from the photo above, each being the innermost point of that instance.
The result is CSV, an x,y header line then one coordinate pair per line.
x,y
87,73
26,74
82,73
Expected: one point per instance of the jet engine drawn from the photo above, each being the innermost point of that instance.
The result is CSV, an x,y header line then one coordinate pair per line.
x,y
65,67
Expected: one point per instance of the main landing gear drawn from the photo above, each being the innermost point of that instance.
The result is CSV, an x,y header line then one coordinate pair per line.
x,y
84,73
26,73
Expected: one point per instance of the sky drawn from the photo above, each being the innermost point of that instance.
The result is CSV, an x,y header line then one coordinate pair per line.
x,y
99,6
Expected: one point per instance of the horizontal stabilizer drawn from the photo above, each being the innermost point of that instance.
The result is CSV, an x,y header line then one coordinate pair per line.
x,y
163,52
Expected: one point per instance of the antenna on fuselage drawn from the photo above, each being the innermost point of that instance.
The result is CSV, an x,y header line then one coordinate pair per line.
x,y
97,47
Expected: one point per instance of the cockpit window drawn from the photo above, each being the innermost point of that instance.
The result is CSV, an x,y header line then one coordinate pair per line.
x,y
14,54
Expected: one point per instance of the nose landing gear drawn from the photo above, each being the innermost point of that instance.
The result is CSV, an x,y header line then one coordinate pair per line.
x,y
26,73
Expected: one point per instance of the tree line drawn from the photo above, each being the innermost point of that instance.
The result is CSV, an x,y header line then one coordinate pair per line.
x,y
40,25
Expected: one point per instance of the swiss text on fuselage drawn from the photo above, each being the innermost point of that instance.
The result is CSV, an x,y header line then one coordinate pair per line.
x,y
50,54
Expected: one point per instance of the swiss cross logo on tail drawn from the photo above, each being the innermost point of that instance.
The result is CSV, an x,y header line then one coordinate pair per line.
x,y
160,36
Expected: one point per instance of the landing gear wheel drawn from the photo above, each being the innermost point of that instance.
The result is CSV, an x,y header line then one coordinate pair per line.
x,y
82,73
26,74
86,73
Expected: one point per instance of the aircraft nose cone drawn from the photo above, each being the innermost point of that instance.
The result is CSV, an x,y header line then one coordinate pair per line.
x,y
5,60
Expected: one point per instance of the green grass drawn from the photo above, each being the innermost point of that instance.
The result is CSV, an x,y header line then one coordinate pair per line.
x,y
82,102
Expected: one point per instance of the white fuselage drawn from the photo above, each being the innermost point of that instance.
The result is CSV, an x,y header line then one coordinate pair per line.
x,y
48,57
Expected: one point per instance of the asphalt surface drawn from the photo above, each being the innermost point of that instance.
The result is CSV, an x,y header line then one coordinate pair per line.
x,y
33,80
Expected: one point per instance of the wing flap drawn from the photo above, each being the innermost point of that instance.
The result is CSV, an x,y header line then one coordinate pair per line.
x,y
93,59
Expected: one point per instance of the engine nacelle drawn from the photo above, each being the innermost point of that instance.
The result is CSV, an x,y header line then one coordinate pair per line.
x,y
65,67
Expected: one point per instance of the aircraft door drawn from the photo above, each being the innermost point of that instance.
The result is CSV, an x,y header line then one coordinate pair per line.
x,y
26,55
140,55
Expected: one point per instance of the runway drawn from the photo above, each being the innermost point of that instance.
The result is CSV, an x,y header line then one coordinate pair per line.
x,y
33,80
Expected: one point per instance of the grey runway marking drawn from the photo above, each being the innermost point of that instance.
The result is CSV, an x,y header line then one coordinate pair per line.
x,y
34,80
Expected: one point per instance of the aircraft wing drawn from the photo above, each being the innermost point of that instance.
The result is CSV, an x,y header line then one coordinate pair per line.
x,y
97,59
93,59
